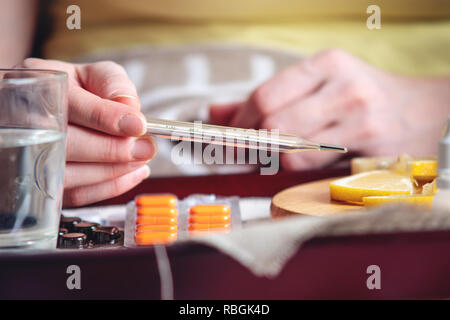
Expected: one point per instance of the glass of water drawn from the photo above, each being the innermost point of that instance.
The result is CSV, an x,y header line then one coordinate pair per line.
x,y
33,126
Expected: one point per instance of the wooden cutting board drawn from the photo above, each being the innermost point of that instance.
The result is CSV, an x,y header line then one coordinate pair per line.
x,y
312,199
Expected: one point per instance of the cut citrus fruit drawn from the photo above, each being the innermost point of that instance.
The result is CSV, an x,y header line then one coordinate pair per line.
x,y
403,164
372,183
424,170
412,199
429,189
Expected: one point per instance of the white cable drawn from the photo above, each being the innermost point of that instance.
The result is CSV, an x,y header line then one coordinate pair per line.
x,y
165,272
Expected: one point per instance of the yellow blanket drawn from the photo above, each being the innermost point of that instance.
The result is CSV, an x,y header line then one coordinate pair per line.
x,y
414,37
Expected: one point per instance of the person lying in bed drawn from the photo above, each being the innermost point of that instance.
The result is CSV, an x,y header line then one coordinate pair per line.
x,y
331,96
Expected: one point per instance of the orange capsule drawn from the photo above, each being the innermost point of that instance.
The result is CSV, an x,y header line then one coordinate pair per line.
x,y
157,211
156,220
205,226
159,237
209,219
156,227
160,200
210,209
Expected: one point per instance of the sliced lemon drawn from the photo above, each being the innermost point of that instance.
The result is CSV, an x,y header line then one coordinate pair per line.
x,y
403,164
372,183
429,189
424,170
412,199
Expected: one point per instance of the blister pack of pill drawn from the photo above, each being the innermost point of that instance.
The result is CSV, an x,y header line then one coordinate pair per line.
x,y
163,218
75,233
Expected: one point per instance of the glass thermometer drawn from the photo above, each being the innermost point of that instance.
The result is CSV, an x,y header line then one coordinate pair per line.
x,y
234,137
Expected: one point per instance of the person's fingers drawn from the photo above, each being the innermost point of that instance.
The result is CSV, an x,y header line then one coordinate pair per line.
x,y
82,174
79,196
109,80
91,93
85,145
91,111
36,63
222,114
289,85
69,68
307,116
105,79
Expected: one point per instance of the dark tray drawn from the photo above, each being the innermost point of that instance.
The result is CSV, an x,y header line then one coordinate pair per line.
x,y
413,265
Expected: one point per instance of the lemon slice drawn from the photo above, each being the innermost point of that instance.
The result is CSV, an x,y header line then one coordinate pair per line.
x,y
424,170
412,199
372,183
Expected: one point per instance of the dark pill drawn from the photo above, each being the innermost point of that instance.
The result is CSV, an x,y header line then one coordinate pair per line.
x,y
113,231
69,223
73,241
62,231
86,227
103,235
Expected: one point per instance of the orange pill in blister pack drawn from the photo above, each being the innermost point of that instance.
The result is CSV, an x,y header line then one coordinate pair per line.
x,y
156,227
209,219
157,211
164,220
159,200
208,226
210,210
158,237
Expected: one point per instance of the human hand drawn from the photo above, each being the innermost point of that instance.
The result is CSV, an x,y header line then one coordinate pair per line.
x,y
106,154
335,98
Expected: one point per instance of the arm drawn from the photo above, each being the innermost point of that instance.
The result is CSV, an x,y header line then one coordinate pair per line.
x,y
17,26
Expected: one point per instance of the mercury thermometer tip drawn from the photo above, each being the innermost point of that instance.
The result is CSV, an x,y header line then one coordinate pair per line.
x,y
328,147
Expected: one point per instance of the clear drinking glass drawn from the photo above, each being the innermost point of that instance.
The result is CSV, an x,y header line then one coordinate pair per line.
x,y
33,126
